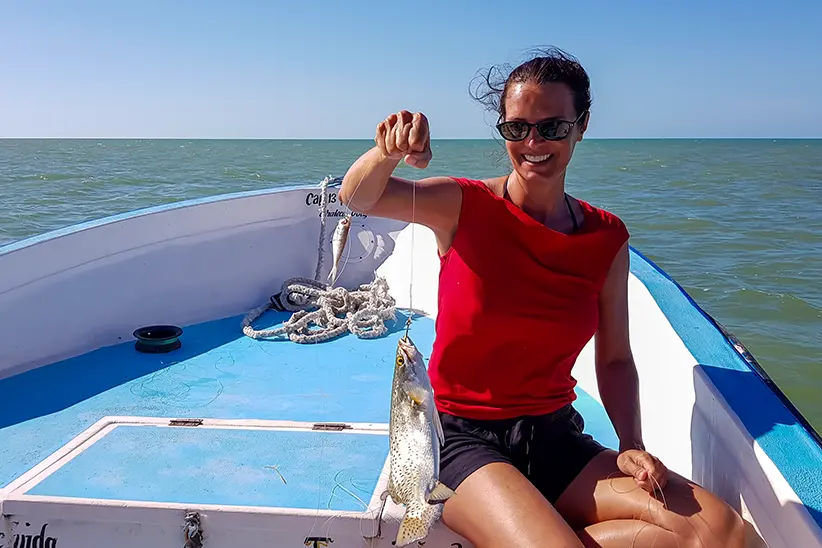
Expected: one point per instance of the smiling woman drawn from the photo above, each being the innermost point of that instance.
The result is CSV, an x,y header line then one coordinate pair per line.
x,y
555,89
515,451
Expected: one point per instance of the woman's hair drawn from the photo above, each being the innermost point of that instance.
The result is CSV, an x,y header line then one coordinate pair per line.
x,y
546,65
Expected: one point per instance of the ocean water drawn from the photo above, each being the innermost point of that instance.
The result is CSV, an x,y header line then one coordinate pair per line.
x,y
737,223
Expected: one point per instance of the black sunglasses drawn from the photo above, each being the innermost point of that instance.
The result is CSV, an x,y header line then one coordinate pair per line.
x,y
550,130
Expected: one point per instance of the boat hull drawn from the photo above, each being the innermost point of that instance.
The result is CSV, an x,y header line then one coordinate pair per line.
x,y
70,302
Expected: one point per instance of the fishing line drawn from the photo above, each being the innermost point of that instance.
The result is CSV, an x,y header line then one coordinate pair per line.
x,y
411,265
321,437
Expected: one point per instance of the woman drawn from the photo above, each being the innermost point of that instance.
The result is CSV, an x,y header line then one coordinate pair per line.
x,y
528,275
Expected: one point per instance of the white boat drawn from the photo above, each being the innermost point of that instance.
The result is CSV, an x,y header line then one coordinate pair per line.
x,y
241,441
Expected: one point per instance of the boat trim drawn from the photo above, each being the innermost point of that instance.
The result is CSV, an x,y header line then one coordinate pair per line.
x,y
793,447
111,219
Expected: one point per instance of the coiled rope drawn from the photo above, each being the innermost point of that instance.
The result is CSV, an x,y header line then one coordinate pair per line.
x,y
322,312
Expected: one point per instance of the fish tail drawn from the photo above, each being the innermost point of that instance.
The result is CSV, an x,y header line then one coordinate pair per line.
x,y
417,522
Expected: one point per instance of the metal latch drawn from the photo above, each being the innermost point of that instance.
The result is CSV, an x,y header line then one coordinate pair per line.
x,y
185,422
330,426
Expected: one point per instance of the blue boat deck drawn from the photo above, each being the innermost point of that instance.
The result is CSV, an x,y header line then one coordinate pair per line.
x,y
218,373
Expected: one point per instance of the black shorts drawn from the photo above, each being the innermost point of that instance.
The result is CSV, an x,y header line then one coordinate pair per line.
x,y
550,450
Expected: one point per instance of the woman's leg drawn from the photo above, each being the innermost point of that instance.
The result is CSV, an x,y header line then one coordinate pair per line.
x,y
496,506
609,509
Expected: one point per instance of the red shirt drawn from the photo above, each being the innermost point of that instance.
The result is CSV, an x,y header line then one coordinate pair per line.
x,y
517,303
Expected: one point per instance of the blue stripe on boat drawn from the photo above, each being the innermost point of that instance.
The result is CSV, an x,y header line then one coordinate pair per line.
x,y
776,429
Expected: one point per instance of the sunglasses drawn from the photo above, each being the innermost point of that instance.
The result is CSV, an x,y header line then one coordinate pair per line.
x,y
550,130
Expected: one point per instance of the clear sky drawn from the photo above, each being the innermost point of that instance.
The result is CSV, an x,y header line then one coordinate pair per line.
x,y
334,69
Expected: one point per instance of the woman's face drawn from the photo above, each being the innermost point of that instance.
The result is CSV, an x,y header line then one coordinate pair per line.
x,y
535,159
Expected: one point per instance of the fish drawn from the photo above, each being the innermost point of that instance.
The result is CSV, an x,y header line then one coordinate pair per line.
x,y
338,242
415,438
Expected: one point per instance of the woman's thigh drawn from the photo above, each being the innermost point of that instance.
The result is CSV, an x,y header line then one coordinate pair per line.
x,y
497,506
601,492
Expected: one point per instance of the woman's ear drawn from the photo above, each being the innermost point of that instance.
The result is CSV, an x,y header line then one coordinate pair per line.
x,y
584,124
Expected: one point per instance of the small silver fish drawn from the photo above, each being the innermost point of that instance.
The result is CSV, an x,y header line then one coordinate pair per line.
x,y
338,244
415,437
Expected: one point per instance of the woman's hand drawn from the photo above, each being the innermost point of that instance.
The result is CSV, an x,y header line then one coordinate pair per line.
x,y
647,470
405,135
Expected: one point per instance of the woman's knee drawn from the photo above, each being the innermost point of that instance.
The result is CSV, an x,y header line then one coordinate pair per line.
x,y
716,525
727,526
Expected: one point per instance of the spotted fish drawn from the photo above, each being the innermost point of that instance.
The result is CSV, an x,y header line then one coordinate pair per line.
x,y
415,437
338,241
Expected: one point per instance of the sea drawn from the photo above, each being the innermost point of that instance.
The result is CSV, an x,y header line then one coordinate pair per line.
x,y
737,223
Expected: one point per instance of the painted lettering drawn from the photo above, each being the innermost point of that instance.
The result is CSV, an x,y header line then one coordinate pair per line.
x,y
314,199
40,540
342,213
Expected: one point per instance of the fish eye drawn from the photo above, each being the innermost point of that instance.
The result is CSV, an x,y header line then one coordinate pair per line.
x,y
400,360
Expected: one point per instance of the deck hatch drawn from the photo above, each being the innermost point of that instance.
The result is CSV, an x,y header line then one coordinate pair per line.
x,y
229,463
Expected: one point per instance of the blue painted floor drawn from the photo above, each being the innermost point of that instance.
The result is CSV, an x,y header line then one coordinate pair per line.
x,y
313,470
218,373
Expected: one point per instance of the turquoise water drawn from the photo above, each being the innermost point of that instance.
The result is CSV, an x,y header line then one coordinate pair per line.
x,y
736,223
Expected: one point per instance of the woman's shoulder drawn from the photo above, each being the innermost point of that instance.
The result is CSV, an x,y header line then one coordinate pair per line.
x,y
494,185
604,219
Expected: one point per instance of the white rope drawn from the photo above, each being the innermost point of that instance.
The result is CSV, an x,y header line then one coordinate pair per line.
x,y
337,310
322,312
323,214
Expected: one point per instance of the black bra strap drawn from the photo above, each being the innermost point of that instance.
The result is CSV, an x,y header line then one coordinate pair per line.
x,y
571,211
567,203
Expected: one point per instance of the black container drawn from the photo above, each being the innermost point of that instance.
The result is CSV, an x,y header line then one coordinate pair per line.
x,y
158,339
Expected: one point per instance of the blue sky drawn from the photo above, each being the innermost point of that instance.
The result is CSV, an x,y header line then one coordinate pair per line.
x,y
334,69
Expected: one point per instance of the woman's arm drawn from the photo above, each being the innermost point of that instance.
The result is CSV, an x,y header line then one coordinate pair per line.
x,y
616,372
369,186
618,380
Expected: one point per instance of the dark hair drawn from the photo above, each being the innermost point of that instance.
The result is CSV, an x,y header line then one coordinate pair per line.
x,y
546,65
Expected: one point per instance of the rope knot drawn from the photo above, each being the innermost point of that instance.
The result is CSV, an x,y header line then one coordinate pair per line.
x,y
321,313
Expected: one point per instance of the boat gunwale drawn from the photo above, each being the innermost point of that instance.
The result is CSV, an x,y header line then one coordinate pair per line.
x,y
75,228
726,335
808,493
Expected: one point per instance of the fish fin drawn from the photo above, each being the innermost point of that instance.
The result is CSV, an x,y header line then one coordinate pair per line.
x,y
435,418
441,492
416,523
416,392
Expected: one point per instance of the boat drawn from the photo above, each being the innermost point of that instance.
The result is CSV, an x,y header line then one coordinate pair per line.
x,y
143,403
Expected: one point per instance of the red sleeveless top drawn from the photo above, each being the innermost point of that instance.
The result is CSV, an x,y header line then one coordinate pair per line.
x,y
517,303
